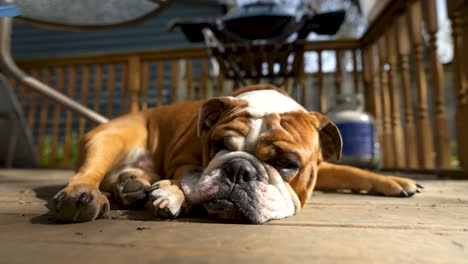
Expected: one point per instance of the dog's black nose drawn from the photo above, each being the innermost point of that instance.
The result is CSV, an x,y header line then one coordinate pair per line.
x,y
240,170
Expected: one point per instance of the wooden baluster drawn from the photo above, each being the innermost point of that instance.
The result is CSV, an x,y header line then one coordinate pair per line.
x,y
111,90
403,46
189,77
43,158
302,84
338,73
59,86
388,150
124,90
33,103
174,80
204,79
424,127
20,91
144,84
134,84
160,82
355,72
395,99
441,133
68,141
376,96
321,92
97,87
367,81
84,97
461,85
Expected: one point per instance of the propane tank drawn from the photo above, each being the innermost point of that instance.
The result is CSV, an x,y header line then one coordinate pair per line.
x,y
357,128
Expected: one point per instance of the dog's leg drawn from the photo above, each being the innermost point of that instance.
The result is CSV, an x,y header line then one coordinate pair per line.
x,y
167,197
342,177
102,149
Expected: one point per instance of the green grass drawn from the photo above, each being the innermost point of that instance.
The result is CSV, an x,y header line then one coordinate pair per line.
x,y
60,153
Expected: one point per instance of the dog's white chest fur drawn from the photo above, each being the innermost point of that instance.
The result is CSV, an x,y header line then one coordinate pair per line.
x,y
262,103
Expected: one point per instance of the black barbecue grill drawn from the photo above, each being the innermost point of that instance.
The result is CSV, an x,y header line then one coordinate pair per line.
x,y
259,40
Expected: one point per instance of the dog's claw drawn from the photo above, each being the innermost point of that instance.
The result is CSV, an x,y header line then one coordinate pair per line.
x,y
84,199
403,193
78,204
419,186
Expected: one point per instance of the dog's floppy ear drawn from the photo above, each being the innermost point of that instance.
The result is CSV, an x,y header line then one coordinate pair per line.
x,y
330,137
211,112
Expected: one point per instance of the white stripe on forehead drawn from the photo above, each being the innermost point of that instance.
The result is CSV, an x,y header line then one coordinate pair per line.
x,y
262,103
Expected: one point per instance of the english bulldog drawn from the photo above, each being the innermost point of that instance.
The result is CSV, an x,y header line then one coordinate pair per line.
x,y
254,156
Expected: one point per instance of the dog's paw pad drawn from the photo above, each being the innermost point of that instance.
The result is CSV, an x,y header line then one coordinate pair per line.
x,y
131,190
168,200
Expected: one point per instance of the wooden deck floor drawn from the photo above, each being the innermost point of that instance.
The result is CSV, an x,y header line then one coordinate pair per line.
x,y
431,227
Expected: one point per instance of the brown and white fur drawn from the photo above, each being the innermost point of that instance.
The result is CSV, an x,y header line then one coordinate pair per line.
x,y
256,155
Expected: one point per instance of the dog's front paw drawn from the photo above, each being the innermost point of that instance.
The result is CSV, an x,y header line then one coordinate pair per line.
x,y
79,203
396,187
168,199
131,190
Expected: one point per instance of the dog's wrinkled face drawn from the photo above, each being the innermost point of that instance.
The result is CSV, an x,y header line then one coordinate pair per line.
x,y
261,154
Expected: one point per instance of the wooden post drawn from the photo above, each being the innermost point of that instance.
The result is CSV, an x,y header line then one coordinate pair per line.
x,y
425,143
403,46
460,64
395,98
388,150
134,86
441,133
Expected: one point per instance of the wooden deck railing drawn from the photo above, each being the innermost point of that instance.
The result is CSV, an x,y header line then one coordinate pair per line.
x,y
140,80
388,66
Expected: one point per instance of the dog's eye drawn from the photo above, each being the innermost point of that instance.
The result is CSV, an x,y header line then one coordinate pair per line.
x,y
286,166
218,145
221,144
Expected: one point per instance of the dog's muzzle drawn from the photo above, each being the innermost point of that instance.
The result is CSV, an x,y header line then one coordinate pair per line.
x,y
236,185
